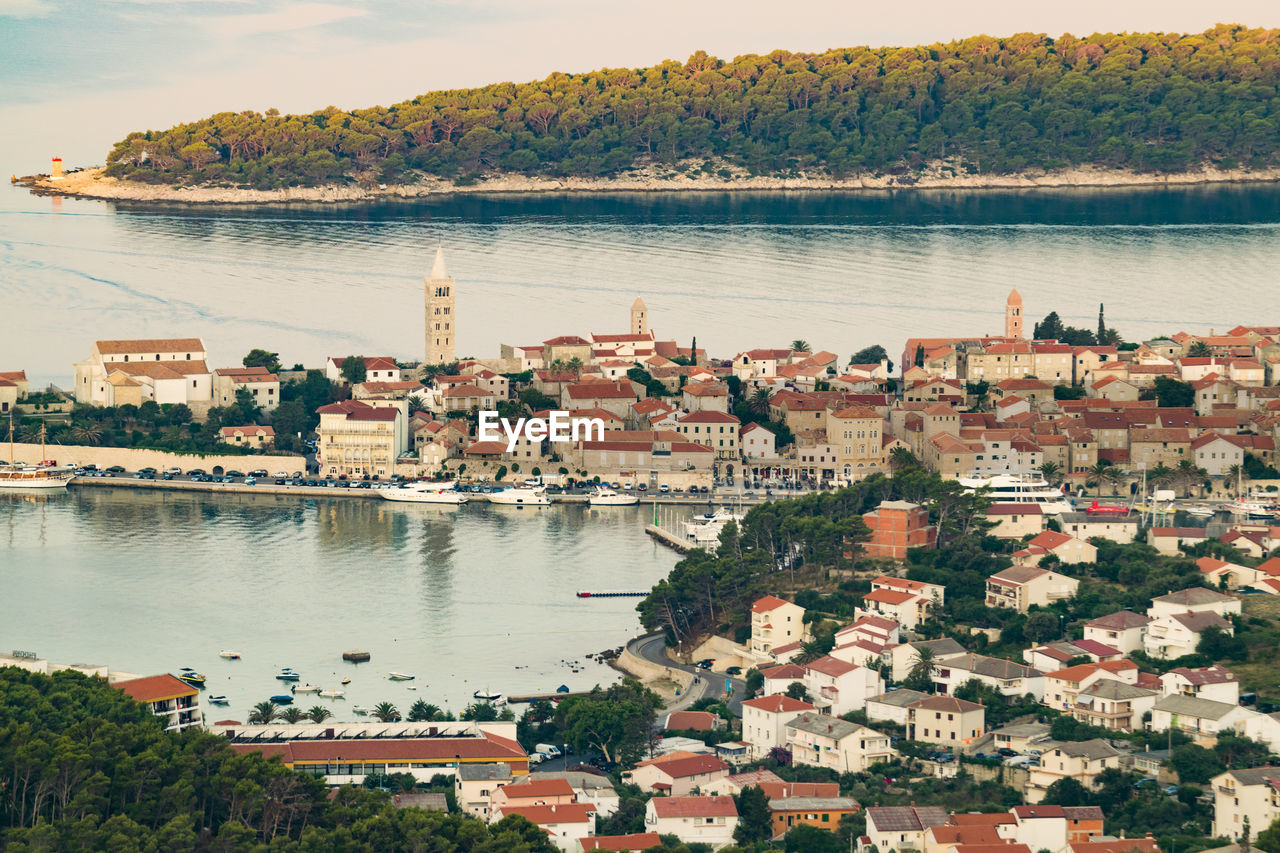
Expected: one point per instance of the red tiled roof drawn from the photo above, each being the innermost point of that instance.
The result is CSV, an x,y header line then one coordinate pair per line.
x,y
694,807
155,688
778,703
553,814
531,788
355,410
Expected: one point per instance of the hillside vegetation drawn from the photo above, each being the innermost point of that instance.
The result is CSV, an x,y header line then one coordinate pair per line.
x,y
1149,102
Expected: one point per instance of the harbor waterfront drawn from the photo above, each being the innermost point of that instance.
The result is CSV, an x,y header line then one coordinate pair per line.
x,y
474,598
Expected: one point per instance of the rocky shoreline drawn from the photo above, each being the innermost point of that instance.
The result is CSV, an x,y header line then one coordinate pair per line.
x,y
92,183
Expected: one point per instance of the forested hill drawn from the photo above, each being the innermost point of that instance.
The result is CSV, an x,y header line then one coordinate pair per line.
x,y
1150,102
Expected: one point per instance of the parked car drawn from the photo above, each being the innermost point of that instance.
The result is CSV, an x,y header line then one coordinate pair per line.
x,y
233,474
280,481
1006,752
175,471
197,472
260,472
706,663
664,488
250,481
733,670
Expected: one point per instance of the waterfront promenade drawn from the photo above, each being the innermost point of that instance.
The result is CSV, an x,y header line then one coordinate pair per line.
x,y
128,481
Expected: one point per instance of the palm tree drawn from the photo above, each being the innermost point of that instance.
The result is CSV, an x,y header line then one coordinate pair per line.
x,y
263,713
1237,475
920,676
575,364
386,712
1051,472
292,715
759,402
416,403
319,713
1160,475
1187,474
423,712
1115,476
86,433
1098,473
800,345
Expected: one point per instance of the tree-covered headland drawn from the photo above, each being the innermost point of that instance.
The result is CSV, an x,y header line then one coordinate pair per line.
x,y
1145,101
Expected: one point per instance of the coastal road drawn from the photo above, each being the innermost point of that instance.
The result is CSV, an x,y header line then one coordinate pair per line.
x,y
710,685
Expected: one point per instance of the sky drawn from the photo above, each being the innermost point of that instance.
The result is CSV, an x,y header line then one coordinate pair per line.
x,y
77,75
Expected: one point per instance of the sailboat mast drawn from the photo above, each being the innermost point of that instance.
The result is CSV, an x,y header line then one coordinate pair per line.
x,y
11,438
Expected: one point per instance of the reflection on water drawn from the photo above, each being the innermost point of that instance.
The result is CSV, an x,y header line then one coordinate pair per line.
x,y
148,581
842,270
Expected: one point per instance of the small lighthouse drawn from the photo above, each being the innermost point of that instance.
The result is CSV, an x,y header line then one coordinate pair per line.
x,y
56,172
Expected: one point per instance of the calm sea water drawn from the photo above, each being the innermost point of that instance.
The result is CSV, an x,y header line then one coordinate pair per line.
x,y
841,270
467,598
153,581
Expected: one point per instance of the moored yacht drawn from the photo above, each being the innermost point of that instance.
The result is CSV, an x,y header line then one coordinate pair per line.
x,y
604,496
1024,489
521,496
425,492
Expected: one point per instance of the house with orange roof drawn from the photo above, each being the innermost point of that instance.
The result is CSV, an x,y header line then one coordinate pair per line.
x,y
636,842
1067,549
377,368
1220,573
174,701
764,721
775,622
252,436
531,792
565,825
906,602
706,820
677,774
707,396
1218,453
758,442
946,838
262,386
614,397
760,362
1062,686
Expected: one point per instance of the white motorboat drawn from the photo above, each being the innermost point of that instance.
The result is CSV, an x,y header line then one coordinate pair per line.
x,y
705,529
425,492
333,693
305,688
219,700
356,709
227,654
603,496
1203,510
1253,509
1024,489
400,676
42,477
492,698
521,496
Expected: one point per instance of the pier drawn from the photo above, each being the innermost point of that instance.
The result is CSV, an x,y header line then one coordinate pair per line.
x,y
547,697
666,537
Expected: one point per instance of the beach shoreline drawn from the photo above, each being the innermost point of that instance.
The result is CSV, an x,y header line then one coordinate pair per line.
x,y
94,184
